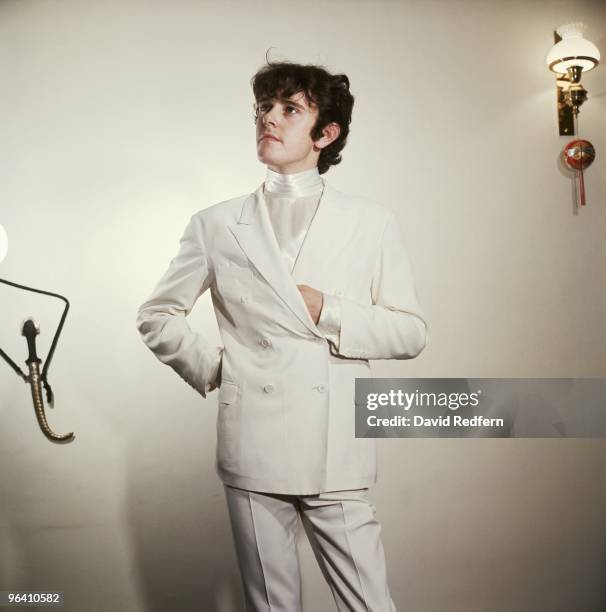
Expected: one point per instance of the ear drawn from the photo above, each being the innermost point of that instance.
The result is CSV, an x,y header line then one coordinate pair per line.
x,y
330,133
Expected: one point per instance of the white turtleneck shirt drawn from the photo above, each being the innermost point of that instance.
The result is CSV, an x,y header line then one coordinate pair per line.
x,y
292,201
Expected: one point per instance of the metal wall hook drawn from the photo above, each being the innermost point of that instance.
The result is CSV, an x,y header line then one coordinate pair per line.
x,y
36,379
30,330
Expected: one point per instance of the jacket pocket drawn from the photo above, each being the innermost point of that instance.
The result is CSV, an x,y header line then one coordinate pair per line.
x,y
234,280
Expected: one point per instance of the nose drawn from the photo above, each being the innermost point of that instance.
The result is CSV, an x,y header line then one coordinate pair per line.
x,y
268,119
269,116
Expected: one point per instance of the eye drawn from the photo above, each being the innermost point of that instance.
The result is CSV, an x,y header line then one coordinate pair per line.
x,y
294,108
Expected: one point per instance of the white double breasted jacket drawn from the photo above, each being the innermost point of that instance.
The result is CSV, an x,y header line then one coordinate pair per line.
x,y
286,414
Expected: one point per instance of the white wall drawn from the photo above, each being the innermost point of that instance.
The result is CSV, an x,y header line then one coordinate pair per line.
x,y
120,119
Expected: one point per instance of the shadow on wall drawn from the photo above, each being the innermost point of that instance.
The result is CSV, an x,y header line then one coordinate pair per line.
x,y
112,530
182,549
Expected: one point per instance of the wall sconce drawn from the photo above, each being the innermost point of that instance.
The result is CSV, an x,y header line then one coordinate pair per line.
x,y
571,55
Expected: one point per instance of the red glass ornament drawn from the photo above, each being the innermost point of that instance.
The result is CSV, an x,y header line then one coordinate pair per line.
x,y
578,155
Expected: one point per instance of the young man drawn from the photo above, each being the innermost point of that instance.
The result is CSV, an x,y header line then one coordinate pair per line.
x,y
307,285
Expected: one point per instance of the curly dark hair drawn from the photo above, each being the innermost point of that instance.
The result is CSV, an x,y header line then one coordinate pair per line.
x,y
329,92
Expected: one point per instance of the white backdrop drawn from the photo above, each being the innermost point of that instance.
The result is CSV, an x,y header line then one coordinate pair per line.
x,y
122,118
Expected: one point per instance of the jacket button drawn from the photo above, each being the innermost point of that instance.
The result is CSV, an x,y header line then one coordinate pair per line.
x,y
269,388
265,342
321,388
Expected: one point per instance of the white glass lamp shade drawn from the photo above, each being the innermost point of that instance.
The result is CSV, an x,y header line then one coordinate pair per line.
x,y
572,50
3,243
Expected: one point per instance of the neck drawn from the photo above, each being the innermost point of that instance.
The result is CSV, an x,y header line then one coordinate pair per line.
x,y
297,185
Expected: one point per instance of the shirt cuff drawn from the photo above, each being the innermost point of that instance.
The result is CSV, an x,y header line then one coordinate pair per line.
x,y
215,375
330,319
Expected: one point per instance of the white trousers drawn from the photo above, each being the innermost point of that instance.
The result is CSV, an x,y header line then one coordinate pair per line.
x,y
343,532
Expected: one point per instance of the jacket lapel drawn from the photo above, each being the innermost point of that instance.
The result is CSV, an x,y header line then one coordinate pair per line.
x,y
255,235
330,230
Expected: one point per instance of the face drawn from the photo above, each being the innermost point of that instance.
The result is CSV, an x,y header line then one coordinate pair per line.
x,y
284,143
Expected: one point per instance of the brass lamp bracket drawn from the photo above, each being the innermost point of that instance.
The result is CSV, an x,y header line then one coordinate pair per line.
x,y
565,115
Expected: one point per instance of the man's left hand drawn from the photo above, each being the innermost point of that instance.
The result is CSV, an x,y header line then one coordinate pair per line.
x,y
314,300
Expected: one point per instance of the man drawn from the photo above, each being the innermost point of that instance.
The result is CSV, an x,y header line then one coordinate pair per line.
x,y
307,285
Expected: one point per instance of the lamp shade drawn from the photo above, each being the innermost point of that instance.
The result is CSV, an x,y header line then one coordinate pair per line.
x,y
3,243
572,50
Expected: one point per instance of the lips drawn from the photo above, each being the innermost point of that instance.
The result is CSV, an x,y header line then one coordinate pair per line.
x,y
270,137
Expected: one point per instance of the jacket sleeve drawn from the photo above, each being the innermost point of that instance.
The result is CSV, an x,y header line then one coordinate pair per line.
x,y
161,319
392,327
